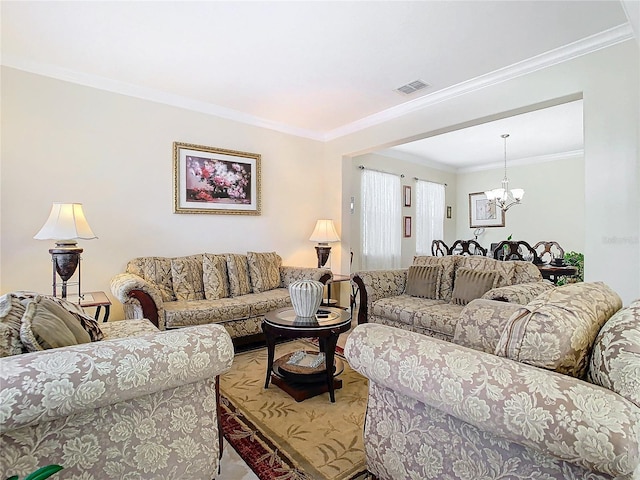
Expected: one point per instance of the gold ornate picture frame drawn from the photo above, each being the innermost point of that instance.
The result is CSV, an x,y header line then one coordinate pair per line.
x,y
215,181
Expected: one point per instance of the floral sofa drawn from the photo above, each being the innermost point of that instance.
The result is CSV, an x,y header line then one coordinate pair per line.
x,y
130,402
557,398
384,296
233,290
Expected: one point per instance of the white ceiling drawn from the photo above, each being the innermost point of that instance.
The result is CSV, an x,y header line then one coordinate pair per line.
x,y
319,69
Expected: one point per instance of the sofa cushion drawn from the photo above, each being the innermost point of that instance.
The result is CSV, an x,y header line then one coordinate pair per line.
x,y
615,361
214,276
156,270
445,288
11,312
557,330
88,323
238,271
264,302
186,276
186,313
264,270
434,315
128,328
422,281
46,324
505,270
471,284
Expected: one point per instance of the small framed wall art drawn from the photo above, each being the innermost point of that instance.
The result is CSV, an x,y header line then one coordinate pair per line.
x,y
407,195
407,227
483,213
215,180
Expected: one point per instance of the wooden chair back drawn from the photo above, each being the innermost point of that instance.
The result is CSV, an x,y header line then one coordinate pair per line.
x,y
520,250
467,247
547,251
439,248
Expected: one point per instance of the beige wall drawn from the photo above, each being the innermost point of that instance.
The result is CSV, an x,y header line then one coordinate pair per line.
x,y
113,153
608,82
553,207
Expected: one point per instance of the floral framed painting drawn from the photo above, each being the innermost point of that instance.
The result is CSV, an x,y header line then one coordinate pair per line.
x,y
484,213
214,180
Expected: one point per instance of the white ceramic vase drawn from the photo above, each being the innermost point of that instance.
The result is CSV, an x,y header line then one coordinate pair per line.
x,y
306,297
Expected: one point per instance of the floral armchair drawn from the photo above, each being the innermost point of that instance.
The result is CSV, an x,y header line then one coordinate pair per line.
x,y
142,407
442,410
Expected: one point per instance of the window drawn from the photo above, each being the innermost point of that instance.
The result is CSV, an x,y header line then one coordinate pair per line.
x,y
429,215
381,220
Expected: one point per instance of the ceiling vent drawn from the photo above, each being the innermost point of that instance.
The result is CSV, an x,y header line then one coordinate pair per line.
x,y
411,87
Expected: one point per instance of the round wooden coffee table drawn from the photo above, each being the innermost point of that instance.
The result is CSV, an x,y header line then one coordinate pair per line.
x,y
326,326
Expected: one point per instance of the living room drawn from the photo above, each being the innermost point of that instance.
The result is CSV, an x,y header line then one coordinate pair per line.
x,y
80,137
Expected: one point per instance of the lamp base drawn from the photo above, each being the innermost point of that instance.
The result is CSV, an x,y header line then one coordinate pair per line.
x,y
65,258
323,252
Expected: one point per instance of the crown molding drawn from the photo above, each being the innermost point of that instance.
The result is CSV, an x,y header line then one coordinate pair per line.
x,y
409,157
587,45
158,96
552,157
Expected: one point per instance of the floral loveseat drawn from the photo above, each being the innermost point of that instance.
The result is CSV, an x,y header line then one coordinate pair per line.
x,y
130,402
557,398
385,297
233,290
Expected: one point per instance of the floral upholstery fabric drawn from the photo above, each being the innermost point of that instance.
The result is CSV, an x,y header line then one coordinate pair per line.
x,y
123,283
11,313
440,410
481,323
521,293
615,361
219,277
526,272
186,276
239,279
387,304
127,328
214,276
506,270
157,271
557,330
293,274
264,270
139,407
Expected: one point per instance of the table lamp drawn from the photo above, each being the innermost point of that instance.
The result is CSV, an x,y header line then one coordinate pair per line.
x,y
66,224
324,233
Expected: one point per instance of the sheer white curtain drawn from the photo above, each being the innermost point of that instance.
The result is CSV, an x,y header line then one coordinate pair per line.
x,y
429,215
380,220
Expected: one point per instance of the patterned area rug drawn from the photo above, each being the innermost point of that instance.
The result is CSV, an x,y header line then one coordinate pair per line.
x,y
280,438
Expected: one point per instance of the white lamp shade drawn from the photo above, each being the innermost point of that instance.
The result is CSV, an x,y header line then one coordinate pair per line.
x,y
66,222
324,232
517,193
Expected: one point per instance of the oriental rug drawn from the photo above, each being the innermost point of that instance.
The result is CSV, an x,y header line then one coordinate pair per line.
x,y
280,438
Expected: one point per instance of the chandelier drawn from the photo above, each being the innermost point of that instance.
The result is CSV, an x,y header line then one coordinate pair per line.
x,y
503,197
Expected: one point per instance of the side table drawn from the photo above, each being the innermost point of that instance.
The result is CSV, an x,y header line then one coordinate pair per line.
x,y
337,278
283,323
93,299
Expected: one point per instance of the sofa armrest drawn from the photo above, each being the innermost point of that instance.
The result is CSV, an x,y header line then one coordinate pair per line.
x,y
521,293
288,275
375,284
482,322
557,415
60,382
139,298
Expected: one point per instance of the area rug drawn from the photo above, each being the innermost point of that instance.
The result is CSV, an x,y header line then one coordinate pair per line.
x,y
280,438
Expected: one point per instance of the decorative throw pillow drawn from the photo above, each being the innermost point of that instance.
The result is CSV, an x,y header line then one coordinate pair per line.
x,y
46,324
11,312
615,360
557,330
214,276
186,275
423,280
87,322
448,264
471,284
238,271
157,271
505,270
264,270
